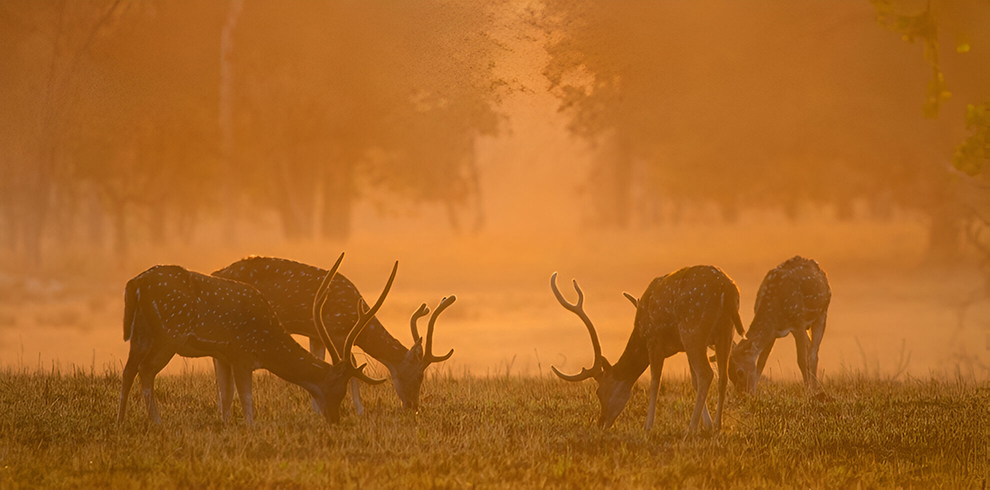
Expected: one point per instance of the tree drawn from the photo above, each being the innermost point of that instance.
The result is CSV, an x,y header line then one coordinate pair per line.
x,y
43,45
336,96
967,61
746,105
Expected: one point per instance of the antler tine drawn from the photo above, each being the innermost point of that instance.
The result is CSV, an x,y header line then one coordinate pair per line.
x,y
578,309
428,356
365,315
318,301
359,374
419,313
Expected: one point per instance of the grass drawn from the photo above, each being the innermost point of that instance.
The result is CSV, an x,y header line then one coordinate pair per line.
x,y
57,430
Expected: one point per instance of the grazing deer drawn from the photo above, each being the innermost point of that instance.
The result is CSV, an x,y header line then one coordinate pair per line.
x,y
684,311
289,286
169,310
792,299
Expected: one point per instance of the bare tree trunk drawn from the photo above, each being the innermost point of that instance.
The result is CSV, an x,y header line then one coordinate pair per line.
x,y
94,217
945,232
156,224
229,181
118,216
338,199
611,180
296,198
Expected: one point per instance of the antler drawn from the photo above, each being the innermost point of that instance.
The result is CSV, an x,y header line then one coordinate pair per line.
x,y
318,301
364,316
578,309
428,357
419,313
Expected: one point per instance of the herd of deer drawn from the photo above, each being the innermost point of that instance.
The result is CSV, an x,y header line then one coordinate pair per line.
x,y
242,316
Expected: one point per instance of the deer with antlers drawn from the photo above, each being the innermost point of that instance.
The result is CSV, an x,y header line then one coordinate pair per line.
x,y
169,310
684,311
792,300
290,286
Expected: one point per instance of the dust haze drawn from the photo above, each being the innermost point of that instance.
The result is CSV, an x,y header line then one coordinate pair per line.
x,y
486,145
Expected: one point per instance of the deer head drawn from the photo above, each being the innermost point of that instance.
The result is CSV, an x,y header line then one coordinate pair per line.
x,y
613,394
343,368
742,366
408,375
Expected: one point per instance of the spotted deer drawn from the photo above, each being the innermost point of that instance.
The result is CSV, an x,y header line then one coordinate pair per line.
x,y
169,310
289,286
792,300
684,311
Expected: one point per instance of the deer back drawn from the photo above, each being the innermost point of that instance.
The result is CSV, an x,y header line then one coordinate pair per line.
x,y
290,287
793,294
201,315
687,306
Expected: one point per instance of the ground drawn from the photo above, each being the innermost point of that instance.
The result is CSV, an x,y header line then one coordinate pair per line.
x,y
57,430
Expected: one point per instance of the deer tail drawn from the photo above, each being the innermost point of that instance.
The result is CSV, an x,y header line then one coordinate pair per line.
x,y
131,297
734,317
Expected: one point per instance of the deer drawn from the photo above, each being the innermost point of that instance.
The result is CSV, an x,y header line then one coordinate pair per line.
x,y
289,286
685,311
792,300
170,310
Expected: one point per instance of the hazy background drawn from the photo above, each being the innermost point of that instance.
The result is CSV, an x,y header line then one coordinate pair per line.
x,y
486,145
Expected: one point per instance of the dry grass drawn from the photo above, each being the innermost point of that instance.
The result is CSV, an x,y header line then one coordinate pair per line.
x,y
57,430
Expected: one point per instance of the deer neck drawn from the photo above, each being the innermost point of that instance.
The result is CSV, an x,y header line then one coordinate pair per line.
x,y
381,345
634,359
761,332
288,360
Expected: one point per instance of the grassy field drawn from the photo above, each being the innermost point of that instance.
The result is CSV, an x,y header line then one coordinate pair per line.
x,y
57,430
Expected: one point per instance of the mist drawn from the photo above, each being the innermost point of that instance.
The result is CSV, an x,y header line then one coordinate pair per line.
x,y
486,145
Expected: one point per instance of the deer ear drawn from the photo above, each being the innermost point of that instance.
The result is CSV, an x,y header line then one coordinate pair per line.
x,y
632,299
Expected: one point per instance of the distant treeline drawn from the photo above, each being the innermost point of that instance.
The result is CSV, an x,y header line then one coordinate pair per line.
x,y
124,114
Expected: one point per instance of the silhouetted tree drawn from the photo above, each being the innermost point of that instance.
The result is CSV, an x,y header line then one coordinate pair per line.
x,y
772,104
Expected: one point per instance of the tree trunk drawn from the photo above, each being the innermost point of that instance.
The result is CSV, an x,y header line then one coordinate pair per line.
x,y
156,224
338,200
118,216
944,233
611,183
229,186
295,204
94,217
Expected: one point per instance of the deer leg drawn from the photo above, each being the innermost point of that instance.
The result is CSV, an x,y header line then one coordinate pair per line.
x,y
148,370
722,349
656,369
706,418
319,350
803,344
698,359
356,396
817,332
356,391
225,387
242,379
761,362
130,371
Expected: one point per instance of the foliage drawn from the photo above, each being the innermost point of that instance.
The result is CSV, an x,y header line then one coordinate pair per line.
x,y
118,101
972,154
918,26
58,431
769,105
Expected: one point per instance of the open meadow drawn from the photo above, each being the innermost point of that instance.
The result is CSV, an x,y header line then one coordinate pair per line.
x,y
829,159
57,430
904,363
